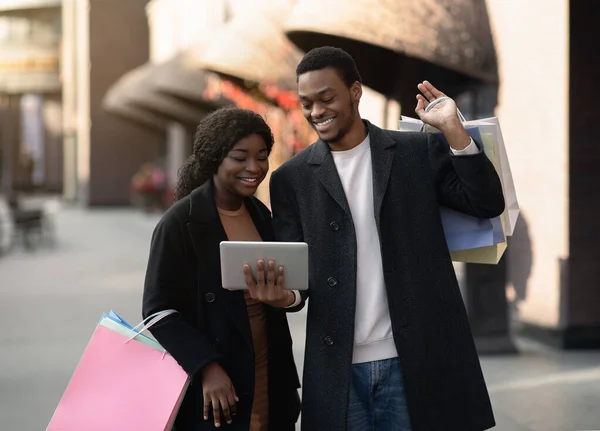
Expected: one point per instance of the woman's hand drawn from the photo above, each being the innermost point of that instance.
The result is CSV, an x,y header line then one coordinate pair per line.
x,y
267,287
218,391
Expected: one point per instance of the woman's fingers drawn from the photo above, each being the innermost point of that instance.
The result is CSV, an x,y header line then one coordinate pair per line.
x,y
225,407
206,407
216,411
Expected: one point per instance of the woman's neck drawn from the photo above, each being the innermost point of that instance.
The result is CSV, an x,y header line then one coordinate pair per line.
x,y
226,200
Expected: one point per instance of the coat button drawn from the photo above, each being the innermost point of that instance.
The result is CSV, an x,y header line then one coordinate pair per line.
x,y
210,297
331,281
329,341
334,225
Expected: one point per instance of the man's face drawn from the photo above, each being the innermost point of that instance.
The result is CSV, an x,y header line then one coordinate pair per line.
x,y
328,104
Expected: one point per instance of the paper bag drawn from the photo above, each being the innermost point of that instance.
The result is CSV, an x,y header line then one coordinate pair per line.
x,y
123,382
508,184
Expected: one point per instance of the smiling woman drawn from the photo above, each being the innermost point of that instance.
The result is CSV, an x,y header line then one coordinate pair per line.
x,y
235,345
241,171
230,142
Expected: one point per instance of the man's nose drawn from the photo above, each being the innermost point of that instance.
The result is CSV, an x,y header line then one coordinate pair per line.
x,y
317,111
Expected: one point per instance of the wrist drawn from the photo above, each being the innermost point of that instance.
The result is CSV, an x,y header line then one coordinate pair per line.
x,y
452,125
457,137
289,299
208,368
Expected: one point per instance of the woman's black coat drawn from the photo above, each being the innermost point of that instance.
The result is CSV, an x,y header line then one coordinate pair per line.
x,y
212,324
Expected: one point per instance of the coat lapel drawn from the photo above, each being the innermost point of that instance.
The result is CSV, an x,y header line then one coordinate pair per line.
x,y
325,170
382,157
206,233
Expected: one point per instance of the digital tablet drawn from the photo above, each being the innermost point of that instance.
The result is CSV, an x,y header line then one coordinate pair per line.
x,y
293,256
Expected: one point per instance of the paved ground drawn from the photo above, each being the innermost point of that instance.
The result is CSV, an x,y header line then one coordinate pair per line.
x,y
51,300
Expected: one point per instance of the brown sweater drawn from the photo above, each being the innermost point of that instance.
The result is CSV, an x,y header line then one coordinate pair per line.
x,y
239,226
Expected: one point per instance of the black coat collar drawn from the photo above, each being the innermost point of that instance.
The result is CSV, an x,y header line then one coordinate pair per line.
x,y
382,156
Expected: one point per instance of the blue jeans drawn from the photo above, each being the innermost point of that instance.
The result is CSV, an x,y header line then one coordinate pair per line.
x,y
377,401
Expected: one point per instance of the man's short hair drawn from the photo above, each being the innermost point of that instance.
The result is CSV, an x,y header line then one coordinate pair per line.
x,y
330,57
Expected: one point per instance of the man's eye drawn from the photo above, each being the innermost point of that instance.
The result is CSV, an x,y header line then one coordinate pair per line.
x,y
328,100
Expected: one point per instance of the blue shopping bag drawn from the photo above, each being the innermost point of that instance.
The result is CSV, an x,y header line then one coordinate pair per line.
x,y
464,232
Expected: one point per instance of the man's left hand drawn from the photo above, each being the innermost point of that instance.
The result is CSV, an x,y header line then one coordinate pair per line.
x,y
443,115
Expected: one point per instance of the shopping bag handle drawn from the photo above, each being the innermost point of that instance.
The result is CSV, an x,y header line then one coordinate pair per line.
x,y
435,102
150,321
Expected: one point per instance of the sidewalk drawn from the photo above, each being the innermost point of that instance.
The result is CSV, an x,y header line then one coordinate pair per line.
x,y
51,299
543,389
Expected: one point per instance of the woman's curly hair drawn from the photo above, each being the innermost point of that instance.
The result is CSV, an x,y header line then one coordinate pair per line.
x,y
215,136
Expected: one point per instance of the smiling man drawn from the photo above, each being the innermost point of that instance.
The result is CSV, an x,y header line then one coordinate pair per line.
x,y
388,343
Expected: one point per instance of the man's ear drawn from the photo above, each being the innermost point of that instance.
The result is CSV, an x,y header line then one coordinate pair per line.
x,y
356,91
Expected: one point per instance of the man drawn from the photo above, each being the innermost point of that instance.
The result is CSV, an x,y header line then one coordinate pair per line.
x,y
388,343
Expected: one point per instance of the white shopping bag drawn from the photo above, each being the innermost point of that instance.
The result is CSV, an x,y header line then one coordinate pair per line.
x,y
508,184
486,126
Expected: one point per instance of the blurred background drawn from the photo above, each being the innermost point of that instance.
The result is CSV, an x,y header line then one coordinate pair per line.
x,y
99,100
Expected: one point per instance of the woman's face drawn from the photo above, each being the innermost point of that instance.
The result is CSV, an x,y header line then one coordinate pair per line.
x,y
244,168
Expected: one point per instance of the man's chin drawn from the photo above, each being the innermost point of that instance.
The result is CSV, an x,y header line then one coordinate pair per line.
x,y
328,136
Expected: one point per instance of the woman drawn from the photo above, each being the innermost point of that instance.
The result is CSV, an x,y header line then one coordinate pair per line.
x,y
237,350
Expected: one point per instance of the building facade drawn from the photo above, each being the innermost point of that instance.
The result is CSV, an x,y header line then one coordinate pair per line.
x,y
103,39
30,92
548,68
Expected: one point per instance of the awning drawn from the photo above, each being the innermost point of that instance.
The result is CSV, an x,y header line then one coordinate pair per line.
x,y
403,40
10,5
252,47
161,93
119,102
185,77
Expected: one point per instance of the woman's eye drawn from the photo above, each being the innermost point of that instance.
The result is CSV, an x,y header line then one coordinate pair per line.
x,y
239,159
262,159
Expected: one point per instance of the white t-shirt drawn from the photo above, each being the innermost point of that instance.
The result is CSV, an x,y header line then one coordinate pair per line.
x,y
373,338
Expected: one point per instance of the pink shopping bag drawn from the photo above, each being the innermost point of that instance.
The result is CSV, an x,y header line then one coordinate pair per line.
x,y
121,384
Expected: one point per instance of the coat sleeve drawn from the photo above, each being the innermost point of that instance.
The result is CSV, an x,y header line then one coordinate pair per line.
x,y
286,218
167,287
465,183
